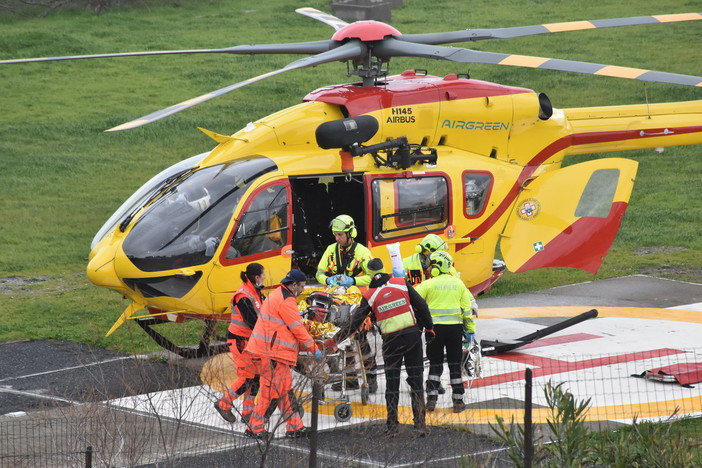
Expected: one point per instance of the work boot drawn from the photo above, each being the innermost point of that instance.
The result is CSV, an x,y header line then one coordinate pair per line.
x,y
256,435
458,406
350,385
392,431
421,430
372,383
438,387
226,414
296,434
431,402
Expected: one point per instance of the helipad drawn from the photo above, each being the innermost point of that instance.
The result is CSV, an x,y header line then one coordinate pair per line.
x,y
594,360
643,323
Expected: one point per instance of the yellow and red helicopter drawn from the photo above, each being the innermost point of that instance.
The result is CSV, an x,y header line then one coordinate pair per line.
x,y
476,162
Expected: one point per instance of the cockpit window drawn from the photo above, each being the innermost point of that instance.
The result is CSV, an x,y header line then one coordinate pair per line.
x,y
264,224
476,190
185,226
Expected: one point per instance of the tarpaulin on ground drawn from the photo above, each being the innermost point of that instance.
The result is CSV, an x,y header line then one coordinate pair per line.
x,y
685,374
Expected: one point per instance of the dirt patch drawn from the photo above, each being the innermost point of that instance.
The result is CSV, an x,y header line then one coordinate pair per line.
x,y
680,272
658,249
14,284
674,272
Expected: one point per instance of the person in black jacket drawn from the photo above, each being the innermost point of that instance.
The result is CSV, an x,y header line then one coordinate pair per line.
x,y
402,315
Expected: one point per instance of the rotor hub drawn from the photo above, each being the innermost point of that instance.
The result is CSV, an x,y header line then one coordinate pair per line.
x,y
366,31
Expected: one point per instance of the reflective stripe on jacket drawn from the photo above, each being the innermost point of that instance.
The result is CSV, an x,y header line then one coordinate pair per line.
x,y
279,332
449,300
391,306
237,324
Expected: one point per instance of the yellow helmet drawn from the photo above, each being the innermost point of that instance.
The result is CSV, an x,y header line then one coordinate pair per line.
x,y
432,243
343,223
441,262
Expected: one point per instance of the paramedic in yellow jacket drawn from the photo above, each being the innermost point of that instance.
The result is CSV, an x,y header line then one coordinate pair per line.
x,y
452,308
417,266
344,263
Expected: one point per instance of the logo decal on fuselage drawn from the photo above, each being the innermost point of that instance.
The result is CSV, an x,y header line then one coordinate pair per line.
x,y
475,125
528,209
400,115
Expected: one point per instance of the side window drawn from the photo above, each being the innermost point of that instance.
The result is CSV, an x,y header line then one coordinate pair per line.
x,y
409,206
476,190
598,195
264,224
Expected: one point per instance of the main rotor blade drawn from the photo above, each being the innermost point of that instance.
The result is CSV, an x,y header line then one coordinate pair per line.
x,y
347,51
467,35
314,47
393,48
325,18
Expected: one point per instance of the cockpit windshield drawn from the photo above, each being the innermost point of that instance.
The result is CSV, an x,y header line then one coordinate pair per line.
x,y
147,191
185,226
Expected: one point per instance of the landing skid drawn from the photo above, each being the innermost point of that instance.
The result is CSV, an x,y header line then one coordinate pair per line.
x,y
209,344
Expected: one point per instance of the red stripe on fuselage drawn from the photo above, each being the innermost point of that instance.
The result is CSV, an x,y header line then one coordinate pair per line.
x,y
508,201
601,137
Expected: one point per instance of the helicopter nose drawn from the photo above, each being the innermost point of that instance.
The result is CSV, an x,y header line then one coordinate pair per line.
x,y
101,268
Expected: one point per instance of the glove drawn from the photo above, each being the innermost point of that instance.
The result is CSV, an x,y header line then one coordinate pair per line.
x,y
211,245
345,281
474,307
429,336
468,336
332,281
318,355
398,273
330,345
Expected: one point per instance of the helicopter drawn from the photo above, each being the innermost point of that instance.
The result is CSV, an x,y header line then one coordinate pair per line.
x,y
404,155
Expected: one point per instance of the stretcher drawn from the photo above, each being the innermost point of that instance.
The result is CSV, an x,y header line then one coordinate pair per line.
x,y
324,318
328,371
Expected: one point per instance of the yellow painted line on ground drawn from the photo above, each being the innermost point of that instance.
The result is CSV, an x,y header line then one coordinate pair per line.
x,y
646,313
358,410
653,409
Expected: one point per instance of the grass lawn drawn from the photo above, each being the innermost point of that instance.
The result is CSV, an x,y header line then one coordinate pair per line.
x,y
61,177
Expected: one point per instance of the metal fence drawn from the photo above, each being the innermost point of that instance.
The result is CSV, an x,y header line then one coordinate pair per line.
x,y
179,428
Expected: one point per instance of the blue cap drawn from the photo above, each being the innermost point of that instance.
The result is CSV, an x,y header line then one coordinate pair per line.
x,y
375,265
294,276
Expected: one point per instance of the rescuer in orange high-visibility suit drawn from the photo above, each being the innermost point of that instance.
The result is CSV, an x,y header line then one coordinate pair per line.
x,y
274,345
245,309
